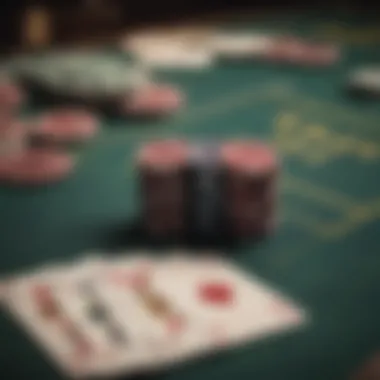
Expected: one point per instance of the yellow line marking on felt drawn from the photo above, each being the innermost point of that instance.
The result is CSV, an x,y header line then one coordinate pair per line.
x,y
361,36
317,143
354,214
367,120
322,195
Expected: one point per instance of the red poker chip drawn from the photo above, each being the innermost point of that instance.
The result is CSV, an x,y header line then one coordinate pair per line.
x,y
153,100
35,167
249,157
11,130
11,97
292,50
216,293
66,125
163,154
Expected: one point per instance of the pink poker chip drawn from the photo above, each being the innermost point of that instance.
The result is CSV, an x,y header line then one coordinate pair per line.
x,y
11,97
164,154
11,133
35,167
292,50
250,157
153,100
66,126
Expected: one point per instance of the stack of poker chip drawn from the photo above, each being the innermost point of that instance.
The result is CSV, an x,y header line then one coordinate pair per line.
x,y
208,190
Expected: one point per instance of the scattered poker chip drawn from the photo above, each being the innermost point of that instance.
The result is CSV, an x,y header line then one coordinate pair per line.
x,y
251,187
296,51
66,126
162,167
216,293
35,166
11,97
12,137
152,100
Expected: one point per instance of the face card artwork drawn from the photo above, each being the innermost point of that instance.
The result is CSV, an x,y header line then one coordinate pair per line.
x,y
65,311
35,301
161,321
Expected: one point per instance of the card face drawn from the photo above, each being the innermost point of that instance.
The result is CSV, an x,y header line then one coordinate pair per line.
x,y
33,300
195,306
236,44
171,52
105,317
175,57
68,312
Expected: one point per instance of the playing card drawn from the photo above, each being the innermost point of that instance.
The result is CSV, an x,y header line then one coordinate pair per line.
x,y
193,306
47,322
107,317
171,51
64,310
241,44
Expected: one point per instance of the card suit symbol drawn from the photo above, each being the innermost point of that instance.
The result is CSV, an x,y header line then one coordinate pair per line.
x,y
137,280
41,292
176,324
216,293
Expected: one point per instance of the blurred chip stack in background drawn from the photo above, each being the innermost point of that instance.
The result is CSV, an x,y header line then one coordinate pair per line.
x,y
208,191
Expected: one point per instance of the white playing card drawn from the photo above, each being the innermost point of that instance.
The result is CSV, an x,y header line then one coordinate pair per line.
x,y
235,44
94,351
255,310
20,301
153,311
171,52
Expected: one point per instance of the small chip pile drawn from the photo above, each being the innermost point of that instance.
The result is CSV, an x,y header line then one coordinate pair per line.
x,y
208,190
21,161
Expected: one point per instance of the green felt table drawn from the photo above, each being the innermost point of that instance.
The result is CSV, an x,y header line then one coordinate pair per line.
x,y
326,252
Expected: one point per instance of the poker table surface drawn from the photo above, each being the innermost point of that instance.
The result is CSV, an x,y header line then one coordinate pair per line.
x,y
326,251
